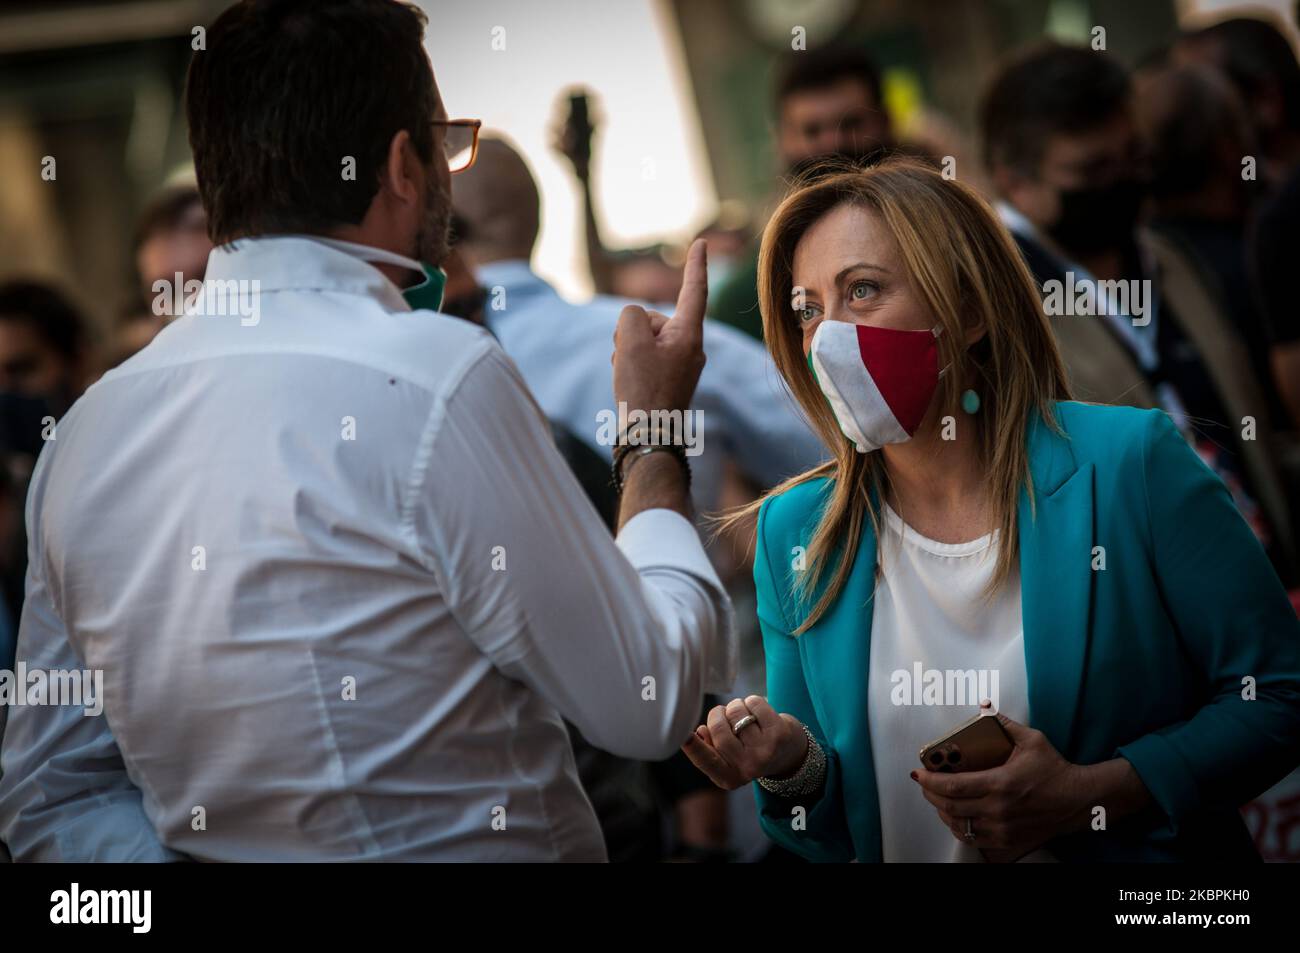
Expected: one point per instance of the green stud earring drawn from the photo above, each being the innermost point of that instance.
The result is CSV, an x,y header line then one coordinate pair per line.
x,y
970,401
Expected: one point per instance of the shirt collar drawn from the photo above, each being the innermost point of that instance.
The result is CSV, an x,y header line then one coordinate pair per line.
x,y
302,263
1016,222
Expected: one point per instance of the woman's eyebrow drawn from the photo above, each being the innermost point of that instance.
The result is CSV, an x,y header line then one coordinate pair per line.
x,y
844,271
862,264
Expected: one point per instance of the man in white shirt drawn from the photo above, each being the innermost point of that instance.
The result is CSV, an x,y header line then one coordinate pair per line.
x,y
561,349
340,585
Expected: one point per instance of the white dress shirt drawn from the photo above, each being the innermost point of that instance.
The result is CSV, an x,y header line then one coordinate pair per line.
x,y
563,350
930,615
343,590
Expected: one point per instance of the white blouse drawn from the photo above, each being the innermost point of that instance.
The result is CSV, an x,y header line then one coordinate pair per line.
x,y
938,647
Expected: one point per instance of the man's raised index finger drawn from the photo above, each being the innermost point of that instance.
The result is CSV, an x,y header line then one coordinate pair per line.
x,y
694,296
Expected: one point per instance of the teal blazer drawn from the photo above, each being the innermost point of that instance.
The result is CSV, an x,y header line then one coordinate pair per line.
x,y
1147,659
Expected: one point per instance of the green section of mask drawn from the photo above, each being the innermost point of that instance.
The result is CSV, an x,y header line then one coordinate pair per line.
x,y
427,295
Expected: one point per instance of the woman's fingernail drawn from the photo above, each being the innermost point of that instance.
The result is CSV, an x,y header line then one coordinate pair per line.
x,y
914,777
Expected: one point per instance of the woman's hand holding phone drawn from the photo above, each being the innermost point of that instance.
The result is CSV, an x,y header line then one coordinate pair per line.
x,y
1017,807
768,745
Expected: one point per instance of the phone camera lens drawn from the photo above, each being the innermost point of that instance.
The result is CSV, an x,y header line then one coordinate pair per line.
x,y
936,757
954,756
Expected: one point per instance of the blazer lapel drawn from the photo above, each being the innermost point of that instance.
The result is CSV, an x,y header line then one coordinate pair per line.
x,y
1056,579
837,654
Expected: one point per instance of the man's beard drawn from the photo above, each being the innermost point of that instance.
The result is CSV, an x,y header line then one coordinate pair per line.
x,y
432,237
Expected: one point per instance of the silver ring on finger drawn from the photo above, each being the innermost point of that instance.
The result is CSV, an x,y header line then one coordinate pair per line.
x,y
969,836
744,723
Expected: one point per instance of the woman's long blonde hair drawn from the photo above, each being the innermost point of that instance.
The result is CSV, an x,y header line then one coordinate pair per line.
x,y
965,267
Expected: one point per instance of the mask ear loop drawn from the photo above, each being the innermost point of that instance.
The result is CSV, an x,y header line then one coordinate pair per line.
x,y
936,331
970,400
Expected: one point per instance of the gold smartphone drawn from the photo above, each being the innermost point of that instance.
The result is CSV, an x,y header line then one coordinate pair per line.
x,y
975,745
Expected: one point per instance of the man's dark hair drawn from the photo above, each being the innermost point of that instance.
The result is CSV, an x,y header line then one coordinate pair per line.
x,y
1194,115
1047,90
47,313
1254,54
284,91
166,212
816,69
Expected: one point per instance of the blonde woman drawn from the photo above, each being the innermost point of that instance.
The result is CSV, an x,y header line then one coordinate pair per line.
x,y
975,520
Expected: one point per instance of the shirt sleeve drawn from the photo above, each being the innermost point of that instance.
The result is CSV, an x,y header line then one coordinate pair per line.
x,y
64,791
622,637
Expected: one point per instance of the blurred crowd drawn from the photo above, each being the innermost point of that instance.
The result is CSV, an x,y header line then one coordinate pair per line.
x,y
1184,173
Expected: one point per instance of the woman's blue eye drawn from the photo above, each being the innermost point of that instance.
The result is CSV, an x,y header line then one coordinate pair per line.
x,y
806,314
857,286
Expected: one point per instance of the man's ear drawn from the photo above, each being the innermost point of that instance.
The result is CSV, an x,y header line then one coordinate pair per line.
x,y
1018,187
1026,193
401,168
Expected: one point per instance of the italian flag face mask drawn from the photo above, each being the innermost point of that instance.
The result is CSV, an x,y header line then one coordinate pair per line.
x,y
878,381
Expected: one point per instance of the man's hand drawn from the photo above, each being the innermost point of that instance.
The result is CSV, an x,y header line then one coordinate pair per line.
x,y
657,363
657,359
774,746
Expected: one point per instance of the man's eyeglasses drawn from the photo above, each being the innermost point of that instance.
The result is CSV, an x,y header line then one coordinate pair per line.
x,y
459,141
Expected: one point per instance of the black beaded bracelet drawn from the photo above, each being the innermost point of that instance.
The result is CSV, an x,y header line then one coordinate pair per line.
x,y
638,451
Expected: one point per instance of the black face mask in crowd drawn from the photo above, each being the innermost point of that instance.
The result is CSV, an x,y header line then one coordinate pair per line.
x,y
1095,219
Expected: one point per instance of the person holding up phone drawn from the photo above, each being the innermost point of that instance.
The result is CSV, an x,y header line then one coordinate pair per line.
x,y
975,520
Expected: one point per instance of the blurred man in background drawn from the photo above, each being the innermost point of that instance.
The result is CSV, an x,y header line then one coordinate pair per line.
x,y
1255,56
1197,132
1260,62
44,356
171,248
44,351
830,102
1062,145
171,239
